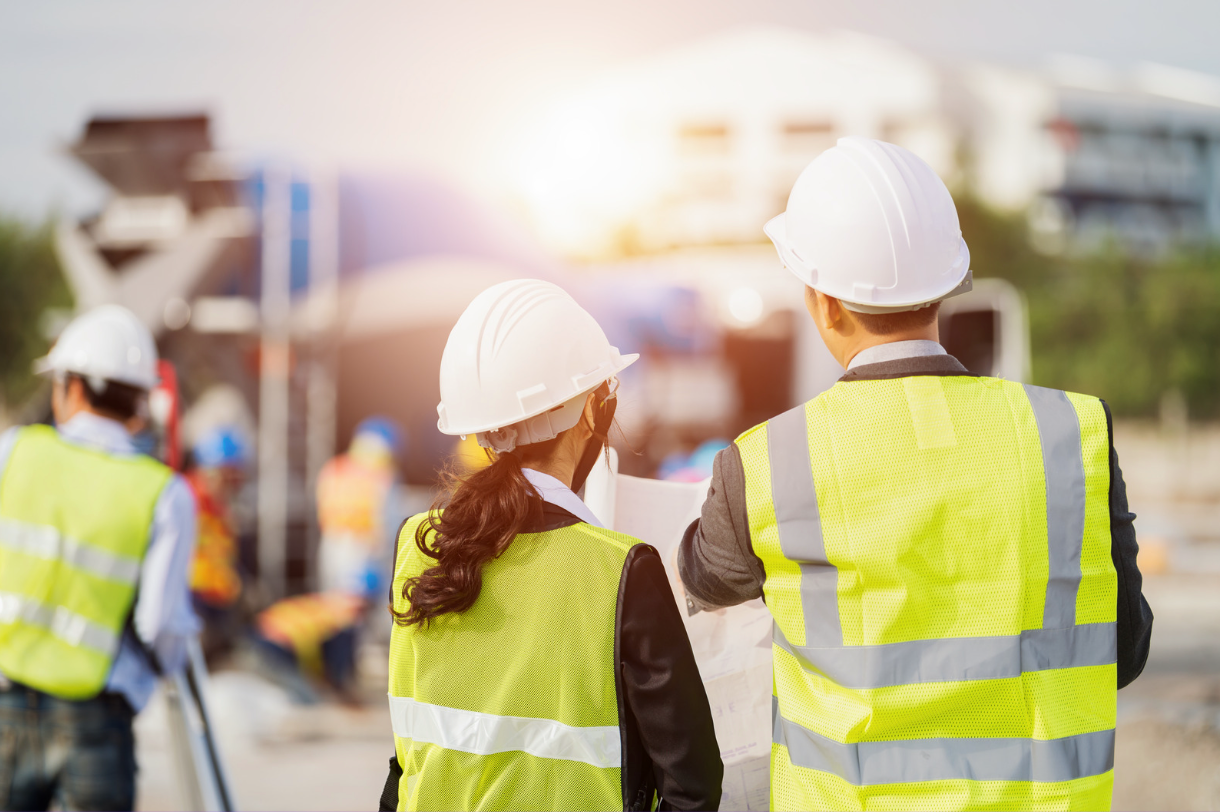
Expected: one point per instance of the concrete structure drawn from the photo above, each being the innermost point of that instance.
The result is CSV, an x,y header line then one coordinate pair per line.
x,y
316,298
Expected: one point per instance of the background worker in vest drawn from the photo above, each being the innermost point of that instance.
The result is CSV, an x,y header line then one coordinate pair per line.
x,y
353,495
538,661
95,546
949,559
311,641
216,478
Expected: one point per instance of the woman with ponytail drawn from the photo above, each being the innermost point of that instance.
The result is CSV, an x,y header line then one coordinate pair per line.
x,y
538,660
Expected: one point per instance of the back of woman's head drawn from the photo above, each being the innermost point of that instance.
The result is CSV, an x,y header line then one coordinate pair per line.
x,y
472,523
517,373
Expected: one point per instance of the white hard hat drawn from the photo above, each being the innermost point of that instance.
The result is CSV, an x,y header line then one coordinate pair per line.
x,y
518,364
872,225
106,344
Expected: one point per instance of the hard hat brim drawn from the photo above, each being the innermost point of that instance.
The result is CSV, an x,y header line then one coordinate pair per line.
x,y
43,365
776,230
456,431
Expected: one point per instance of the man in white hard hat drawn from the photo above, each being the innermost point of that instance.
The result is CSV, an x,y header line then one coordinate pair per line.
x,y
949,558
95,546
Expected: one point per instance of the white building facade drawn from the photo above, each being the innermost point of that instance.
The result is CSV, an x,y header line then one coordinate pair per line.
x,y
701,146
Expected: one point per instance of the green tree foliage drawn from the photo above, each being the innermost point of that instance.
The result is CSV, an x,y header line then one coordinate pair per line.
x,y
1123,328
30,282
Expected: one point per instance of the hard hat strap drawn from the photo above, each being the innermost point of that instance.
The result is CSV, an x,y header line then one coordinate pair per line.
x,y
604,407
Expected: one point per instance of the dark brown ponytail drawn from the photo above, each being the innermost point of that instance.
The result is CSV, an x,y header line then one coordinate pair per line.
x,y
471,523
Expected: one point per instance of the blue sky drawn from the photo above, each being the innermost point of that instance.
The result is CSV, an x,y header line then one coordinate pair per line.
x,y
441,86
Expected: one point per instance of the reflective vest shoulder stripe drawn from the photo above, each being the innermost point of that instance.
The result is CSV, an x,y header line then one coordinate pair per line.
x,y
44,541
68,626
1059,432
800,525
485,734
912,760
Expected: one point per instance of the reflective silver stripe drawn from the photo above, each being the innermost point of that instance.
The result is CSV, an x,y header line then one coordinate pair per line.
x,y
44,541
1059,433
959,659
486,734
69,627
897,762
799,524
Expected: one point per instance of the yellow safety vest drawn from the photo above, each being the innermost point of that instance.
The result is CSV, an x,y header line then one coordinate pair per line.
x,y
512,703
74,527
937,557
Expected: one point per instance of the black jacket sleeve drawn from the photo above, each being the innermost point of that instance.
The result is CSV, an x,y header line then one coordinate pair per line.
x,y
669,742
1134,614
389,793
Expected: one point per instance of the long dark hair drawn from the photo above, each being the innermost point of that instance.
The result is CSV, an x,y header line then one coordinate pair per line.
x,y
473,522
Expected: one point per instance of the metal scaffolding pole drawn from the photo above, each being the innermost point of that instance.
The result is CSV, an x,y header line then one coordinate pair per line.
x,y
273,382
321,397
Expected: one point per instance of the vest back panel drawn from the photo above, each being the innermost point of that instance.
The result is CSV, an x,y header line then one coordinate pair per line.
x,y
512,703
74,526
937,559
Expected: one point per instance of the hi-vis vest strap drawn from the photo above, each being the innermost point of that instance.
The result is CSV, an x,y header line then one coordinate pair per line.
x,y
74,526
937,556
492,713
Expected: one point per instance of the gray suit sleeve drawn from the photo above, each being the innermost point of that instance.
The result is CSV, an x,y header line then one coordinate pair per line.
x,y
716,561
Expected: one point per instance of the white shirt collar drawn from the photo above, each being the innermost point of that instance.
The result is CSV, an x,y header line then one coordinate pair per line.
x,y
880,353
95,431
560,495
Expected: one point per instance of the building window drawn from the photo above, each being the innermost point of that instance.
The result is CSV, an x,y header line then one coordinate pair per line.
x,y
808,137
704,138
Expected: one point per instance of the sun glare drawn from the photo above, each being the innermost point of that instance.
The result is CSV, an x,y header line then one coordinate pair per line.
x,y
586,172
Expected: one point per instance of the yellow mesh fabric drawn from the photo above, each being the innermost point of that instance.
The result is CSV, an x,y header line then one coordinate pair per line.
x,y
1035,705
798,788
103,501
931,494
502,781
1097,600
538,643
938,541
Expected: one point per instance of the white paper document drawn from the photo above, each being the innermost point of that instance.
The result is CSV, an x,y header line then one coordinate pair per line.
x,y
732,646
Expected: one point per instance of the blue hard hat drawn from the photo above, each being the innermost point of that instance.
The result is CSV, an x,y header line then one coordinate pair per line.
x,y
220,447
383,428
703,456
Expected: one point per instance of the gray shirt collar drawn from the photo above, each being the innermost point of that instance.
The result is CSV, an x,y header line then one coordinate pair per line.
x,y
896,350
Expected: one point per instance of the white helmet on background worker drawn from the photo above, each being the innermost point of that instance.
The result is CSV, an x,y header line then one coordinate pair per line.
x,y
519,363
872,225
106,344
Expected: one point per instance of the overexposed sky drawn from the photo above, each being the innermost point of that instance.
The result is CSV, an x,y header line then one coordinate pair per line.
x,y
450,87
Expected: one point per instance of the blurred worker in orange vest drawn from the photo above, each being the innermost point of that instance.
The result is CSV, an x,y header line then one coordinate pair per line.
x,y
312,639
353,499
220,460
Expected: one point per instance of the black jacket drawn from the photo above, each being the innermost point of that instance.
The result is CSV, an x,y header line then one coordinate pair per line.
x,y
665,721
719,568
